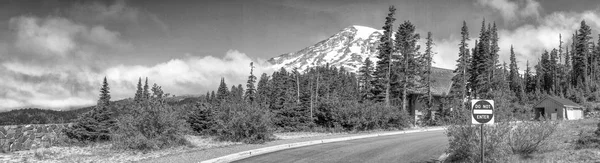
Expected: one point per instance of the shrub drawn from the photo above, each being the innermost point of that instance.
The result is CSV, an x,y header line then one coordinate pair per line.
x,y
527,137
150,125
588,139
292,117
95,125
242,122
500,140
354,116
200,118
464,142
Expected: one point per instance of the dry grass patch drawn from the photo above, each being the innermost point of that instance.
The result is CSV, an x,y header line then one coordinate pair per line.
x,y
562,145
104,152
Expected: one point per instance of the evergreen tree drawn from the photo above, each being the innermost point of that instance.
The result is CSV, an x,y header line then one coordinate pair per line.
x,y
426,74
513,76
493,60
104,100
529,80
411,66
480,65
262,89
146,92
207,97
553,72
222,91
580,59
139,93
544,72
459,81
233,93
250,91
213,97
96,124
240,92
382,73
366,77
157,91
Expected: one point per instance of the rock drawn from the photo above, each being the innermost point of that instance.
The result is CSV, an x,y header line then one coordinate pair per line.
x,y
27,145
39,135
16,146
2,130
28,127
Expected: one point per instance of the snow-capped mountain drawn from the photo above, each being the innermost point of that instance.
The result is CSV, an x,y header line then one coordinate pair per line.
x,y
348,48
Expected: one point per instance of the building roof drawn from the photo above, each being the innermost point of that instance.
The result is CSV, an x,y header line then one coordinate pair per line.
x,y
562,101
442,82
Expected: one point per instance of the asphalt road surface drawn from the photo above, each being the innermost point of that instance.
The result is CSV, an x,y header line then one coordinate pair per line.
x,y
412,147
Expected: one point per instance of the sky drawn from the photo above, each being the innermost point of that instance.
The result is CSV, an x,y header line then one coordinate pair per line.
x,y
54,53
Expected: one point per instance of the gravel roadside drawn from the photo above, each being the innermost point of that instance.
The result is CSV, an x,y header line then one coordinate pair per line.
x,y
285,138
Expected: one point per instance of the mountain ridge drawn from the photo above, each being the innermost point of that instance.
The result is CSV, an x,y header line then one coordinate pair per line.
x,y
349,48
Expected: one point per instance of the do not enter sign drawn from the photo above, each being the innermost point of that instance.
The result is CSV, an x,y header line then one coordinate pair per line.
x,y
482,111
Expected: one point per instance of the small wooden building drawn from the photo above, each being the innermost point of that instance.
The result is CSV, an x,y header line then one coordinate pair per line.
x,y
556,108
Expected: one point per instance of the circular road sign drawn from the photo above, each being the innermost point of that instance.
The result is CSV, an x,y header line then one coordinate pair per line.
x,y
483,111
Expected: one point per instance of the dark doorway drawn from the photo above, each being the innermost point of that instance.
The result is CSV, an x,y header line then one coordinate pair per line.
x,y
540,113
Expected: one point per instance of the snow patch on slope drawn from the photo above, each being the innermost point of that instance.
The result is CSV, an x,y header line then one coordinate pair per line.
x,y
348,48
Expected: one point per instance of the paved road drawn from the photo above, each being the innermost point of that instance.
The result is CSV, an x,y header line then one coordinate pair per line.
x,y
412,147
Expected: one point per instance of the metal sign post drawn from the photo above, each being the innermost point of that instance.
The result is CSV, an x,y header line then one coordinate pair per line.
x,y
482,112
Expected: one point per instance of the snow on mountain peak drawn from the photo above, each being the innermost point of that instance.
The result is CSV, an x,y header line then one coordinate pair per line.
x,y
348,48
364,32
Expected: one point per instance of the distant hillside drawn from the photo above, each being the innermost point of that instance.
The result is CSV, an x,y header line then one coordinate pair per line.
x,y
44,116
39,116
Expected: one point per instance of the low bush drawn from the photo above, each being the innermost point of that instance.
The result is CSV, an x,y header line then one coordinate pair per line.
x,y
465,140
354,116
92,126
200,118
500,140
528,137
151,125
588,139
243,123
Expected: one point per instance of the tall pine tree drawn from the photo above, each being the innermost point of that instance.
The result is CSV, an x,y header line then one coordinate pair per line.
x,y
459,81
513,77
250,91
426,80
139,93
580,58
382,74
366,77
410,65
222,91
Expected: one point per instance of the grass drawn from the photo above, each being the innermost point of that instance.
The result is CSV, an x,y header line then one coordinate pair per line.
x,y
561,146
103,152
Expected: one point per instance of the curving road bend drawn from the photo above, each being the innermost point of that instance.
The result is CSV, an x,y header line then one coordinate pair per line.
x,y
412,147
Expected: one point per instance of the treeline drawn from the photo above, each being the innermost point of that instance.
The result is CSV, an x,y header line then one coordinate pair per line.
x,y
321,98
571,74
39,116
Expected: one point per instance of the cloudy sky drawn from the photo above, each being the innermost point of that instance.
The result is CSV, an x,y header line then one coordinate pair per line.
x,y
54,54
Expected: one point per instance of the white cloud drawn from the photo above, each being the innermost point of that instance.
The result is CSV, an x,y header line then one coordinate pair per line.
x,y
59,36
191,75
513,10
531,40
72,85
